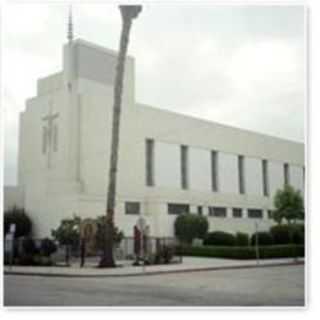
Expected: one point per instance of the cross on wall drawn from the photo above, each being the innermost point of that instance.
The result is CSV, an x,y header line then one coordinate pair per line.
x,y
50,133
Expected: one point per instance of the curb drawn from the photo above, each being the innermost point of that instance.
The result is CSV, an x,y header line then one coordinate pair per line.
x,y
151,273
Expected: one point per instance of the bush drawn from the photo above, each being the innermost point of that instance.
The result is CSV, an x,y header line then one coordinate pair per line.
x,y
29,247
220,238
288,233
190,226
298,234
264,239
19,217
242,239
281,234
244,253
48,247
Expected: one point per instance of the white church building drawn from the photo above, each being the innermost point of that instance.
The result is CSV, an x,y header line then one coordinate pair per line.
x,y
168,163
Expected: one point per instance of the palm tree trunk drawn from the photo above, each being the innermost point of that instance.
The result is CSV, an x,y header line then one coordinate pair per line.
x,y
128,13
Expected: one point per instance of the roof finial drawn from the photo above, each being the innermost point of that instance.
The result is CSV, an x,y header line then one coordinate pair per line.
x,y
70,25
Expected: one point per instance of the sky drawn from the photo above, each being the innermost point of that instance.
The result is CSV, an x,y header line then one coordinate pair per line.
x,y
242,66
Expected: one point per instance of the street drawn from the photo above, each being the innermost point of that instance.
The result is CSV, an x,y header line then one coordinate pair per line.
x,y
271,286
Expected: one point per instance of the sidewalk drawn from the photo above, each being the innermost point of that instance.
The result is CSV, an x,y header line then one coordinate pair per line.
x,y
125,269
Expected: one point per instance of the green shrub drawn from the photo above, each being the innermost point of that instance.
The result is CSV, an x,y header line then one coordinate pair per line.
x,y
298,234
244,253
190,226
19,217
288,233
29,247
242,239
264,239
281,234
220,238
48,247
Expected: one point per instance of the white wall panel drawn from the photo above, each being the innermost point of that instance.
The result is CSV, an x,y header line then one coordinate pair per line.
x,y
228,173
296,177
253,176
276,177
167,165
199,169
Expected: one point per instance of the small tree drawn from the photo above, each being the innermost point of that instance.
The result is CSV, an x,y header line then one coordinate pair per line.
x,y
68,234
288,205
20,218
190,226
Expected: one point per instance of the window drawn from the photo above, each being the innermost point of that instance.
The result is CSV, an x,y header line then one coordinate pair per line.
x,y
218,212
255,213
150,162
44,139
265,178
177,208
270,214
184,167
132,207
214,171
286,174
241,174
55,138
237,212
199,210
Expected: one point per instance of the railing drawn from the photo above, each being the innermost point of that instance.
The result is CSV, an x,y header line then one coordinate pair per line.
x,y
155,250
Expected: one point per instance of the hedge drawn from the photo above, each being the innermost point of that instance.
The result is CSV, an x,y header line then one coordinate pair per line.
x,y
242,239
243,253
264,238
219,238
286,233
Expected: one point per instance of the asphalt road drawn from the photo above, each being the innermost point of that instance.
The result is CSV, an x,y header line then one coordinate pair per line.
x,y
273,286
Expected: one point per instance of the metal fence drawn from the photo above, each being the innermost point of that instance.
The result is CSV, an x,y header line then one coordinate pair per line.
x,y
87,254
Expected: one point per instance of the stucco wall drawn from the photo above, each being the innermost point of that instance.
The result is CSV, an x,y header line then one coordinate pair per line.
x,y
13,196
77,180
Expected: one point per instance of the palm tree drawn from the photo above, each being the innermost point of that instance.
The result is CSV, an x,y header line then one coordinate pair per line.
x,y
128,13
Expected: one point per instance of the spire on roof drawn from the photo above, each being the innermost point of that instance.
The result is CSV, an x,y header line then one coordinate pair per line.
x,y
70,25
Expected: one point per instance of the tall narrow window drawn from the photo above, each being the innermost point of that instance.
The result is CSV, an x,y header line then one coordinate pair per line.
x,y
184,167
265,178
44,139
214,171
150,162
241,174
286,174
55,137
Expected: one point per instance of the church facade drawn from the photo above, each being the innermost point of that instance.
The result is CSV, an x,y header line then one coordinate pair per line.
x,y
168,163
